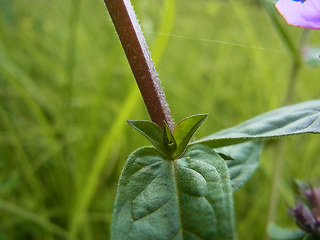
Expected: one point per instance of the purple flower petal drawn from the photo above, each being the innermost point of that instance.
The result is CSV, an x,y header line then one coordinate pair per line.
x,y
300,13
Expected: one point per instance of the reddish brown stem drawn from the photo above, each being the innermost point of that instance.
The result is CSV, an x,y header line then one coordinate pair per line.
x,y
138,55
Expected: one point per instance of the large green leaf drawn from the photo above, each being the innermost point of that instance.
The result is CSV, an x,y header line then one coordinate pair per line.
x,y
290,120
279,233
245,161
188,198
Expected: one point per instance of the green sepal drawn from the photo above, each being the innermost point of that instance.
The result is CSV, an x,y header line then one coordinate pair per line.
x,y
184,130
279,233
151,131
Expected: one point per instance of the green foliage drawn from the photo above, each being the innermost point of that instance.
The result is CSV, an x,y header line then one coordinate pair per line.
x,y
184,130
171,145
153,132
279,233
62,145
245,160
188,198
290,120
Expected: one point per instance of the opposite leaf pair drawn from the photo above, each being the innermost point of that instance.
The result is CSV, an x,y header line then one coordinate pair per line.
x,y
170,144
192,197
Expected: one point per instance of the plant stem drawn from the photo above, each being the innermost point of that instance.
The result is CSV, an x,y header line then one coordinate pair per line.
x,y
295,68
279,148
138,55
101,160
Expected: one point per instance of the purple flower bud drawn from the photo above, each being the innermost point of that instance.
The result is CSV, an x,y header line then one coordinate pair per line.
x,y
307,211
313,197
302,13
303,216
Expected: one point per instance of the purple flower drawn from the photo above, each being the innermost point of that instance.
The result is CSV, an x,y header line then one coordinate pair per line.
x,y
302,13
307,212
304,218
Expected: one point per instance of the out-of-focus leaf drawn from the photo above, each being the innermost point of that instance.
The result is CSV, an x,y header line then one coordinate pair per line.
x,y
279,233
290,120
188,198
245,161
2,236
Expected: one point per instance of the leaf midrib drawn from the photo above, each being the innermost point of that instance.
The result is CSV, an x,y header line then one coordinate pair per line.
x,y
175,176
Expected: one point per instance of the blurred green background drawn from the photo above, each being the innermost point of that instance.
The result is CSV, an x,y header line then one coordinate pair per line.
x,y
66,91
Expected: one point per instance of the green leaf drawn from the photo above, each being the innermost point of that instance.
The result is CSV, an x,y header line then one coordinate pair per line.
x,y
279,233
290,120
184,130
245,161
188,198
151,131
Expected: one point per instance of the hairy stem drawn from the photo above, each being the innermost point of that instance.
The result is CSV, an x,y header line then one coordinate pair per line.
x,y
138,55
102,160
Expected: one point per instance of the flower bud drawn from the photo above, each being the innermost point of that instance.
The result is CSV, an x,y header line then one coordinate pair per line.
x,y
307,211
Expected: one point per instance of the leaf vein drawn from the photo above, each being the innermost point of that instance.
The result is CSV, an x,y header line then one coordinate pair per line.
x,y
148,184
192,233
150,213
178,195
176,234
316,119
